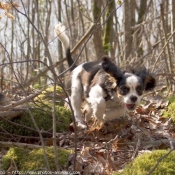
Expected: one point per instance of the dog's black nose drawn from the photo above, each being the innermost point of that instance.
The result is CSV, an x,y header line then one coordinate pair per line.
x,y
133,98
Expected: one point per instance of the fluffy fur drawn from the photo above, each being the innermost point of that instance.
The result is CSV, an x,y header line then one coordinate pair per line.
x,y
107,90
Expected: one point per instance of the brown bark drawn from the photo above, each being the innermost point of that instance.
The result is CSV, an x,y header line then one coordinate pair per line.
x,y
97,5
141,15
127,29
173,20
107,40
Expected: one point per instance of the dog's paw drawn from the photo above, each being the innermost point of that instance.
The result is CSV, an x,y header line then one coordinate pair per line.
x,y
59,28
81,125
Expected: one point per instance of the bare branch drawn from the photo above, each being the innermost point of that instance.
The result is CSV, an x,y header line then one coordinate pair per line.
x,y
17,144
12,105
159,160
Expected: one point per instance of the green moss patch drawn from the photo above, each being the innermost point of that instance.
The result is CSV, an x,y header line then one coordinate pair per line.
x,y
43,120
170,112
26,159
41,110
143,164
46,97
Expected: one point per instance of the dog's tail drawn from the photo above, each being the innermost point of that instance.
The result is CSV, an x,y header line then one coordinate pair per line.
x,y
60,31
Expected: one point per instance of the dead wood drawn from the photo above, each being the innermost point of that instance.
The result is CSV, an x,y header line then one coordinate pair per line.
x,y
17,144
22,101
9,108
11,114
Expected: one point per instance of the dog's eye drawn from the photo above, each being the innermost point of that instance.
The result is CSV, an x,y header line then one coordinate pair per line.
x,y
124,90
139,90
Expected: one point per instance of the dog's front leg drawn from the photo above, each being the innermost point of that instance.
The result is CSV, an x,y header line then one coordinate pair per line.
x,y
99,107
97,102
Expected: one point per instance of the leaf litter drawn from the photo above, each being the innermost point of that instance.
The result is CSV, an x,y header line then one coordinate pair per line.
x,y
108,148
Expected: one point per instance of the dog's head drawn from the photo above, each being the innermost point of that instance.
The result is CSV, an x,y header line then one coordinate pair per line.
x,y
130,86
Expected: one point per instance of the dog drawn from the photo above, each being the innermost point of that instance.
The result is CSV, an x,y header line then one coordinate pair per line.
x,y
107,90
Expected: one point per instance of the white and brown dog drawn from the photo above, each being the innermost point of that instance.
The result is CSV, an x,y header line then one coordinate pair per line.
x,y
108,91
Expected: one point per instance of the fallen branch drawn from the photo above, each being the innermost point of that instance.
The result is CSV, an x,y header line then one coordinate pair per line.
x,y
155,143
14,104
11,114
17,144
24,145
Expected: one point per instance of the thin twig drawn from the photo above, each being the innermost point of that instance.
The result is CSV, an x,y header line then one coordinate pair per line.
x,y
159,160
74,123
137,149
167,42
54,127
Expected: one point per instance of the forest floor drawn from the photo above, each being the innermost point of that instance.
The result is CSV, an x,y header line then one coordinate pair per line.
x,y
109,148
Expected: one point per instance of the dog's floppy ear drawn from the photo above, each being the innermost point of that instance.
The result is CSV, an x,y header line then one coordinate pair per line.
x,y
111,68
149,81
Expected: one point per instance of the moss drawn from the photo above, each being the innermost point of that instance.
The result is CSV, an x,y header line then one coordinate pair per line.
x,y
42,113
15,154
108,27
37,86
46,97
106,47
170,112
43,120
171,99
26,159
143,164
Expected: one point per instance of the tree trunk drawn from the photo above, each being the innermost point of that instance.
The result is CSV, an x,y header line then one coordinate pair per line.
x,y
133,23
82,26
173,20
127,29
108,27
60,68
98,31
141,14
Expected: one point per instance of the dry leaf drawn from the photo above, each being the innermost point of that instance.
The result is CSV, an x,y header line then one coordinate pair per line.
x,y
15,5
142,111
9,15
119,143
49,142
167,124
85,153
152,126
78,166
96,168
146,109
101,159
5,6
110,163
2,5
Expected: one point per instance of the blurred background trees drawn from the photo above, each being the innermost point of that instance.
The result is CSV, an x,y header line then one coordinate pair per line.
x,y
134,33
